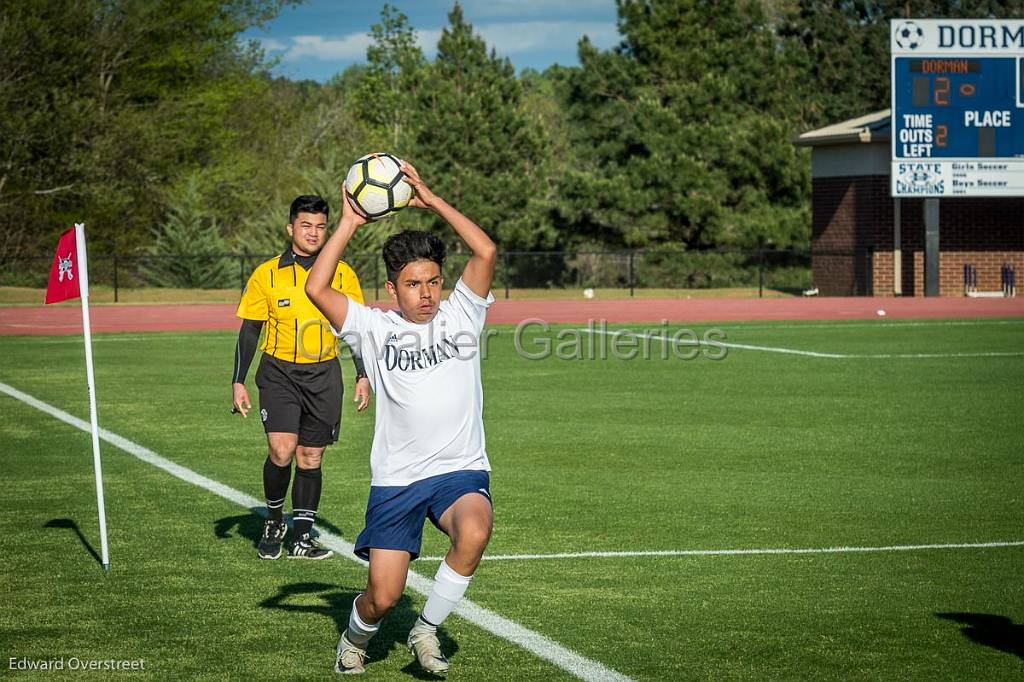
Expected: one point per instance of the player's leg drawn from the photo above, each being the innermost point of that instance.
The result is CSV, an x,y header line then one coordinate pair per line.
x,y
280,412
305,502
320,391
389,541
468,522
277,473
462,509
384,587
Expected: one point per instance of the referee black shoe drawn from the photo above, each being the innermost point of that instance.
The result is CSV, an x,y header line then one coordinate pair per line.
x,y
270,543
304,547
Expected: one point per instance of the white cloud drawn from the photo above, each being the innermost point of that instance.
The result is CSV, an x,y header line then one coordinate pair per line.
x,y
476,9
507,38
350,47
272,44
527,36
427,40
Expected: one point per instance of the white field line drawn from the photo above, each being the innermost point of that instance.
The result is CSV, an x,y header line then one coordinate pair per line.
x,y
893,324
534,642
815,354
742,552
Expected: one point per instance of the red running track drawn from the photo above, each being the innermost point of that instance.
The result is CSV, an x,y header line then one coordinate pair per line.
x,y
67,319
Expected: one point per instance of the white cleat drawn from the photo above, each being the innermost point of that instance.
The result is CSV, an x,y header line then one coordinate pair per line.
x,y
423,644
349,658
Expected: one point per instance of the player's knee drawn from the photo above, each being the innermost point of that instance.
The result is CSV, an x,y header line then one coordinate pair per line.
x,y
382,601
308,459
281,454
473,537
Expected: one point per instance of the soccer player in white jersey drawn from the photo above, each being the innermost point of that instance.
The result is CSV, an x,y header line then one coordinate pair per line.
x,y
428,458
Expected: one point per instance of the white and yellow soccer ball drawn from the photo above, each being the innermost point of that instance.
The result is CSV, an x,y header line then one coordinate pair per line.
x,y
377,186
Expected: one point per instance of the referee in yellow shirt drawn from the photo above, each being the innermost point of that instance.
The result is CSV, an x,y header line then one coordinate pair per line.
x,y
299,377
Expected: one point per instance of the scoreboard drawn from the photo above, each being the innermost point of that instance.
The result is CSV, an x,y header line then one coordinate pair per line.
x,y
957,107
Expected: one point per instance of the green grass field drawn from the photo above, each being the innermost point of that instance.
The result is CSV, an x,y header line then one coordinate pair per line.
x,y
760,450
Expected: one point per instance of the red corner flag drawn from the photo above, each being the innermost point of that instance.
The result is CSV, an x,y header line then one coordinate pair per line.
x,y
64,275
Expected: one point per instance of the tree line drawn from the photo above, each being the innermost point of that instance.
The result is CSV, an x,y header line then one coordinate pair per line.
x,y
153,122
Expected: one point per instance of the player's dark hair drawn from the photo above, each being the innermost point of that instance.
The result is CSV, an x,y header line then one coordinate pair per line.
x,y
412,245
308,203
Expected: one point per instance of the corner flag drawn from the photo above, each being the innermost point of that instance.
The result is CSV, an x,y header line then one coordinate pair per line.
x,y
64,275
69,278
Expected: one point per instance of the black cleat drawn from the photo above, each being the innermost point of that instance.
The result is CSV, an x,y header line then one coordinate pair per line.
x,y
270,543
305,548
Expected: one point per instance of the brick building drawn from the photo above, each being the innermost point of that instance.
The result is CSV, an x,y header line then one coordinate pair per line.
x,y
863,241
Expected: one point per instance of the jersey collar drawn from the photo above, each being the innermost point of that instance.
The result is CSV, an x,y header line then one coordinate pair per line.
x,y
289,257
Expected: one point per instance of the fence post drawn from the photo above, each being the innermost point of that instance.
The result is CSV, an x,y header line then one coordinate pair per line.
x,y
760,273
241,272
115,278
631,254
505,259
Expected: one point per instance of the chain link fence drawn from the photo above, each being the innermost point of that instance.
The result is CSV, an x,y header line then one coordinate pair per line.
x,y
763,270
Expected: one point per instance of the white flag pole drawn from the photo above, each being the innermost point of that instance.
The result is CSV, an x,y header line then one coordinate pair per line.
x,y
83,286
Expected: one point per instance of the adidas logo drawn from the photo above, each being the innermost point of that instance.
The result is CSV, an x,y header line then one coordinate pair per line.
x,y
392,338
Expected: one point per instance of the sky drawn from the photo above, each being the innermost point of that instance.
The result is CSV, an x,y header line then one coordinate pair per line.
x,y
319,38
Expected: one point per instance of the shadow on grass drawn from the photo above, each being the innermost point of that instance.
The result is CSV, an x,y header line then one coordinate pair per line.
x,y
998,632
335,603
250,526
71,525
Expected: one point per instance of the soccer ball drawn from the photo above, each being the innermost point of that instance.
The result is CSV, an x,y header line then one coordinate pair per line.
x,y
377,186
909,35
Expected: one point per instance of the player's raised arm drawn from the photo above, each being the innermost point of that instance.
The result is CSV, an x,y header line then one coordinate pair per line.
x,y
480,269
332,303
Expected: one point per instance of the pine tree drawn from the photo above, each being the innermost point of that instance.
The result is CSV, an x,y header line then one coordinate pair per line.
x,y
683,131
476,145
188,250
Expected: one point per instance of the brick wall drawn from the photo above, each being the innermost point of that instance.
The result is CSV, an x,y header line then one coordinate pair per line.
x,y
846,214
852,239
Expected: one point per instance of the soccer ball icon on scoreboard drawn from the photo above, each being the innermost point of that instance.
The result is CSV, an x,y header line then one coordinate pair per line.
x,y
377,186
909,35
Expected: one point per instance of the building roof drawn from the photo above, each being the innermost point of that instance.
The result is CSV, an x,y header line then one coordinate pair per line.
x,y
875,127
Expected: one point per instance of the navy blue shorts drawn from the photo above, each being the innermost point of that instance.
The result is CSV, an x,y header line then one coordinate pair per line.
x,y
395,514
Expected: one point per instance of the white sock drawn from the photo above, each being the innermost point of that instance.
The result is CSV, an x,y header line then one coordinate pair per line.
x,y
448,589
359,633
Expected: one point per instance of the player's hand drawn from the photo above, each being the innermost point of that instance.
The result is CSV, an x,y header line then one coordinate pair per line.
x,y
362,396
349,213
423,197
240,400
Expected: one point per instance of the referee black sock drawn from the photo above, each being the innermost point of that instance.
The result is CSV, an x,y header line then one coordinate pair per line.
x,y
275,487
305,499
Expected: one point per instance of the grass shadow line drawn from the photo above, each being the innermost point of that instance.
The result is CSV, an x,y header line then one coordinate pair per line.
x,y
72,525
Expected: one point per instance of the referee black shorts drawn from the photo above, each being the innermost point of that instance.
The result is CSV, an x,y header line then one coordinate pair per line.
x,y
301,398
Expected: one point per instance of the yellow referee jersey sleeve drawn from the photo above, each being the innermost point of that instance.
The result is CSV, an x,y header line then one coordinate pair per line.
x,y
253,305
346,281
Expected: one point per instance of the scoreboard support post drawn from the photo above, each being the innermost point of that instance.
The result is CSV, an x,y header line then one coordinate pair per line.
x,y
897,247
931,247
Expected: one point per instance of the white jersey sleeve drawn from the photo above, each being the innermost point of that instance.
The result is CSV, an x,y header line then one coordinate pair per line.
x,y
465,303
357,319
